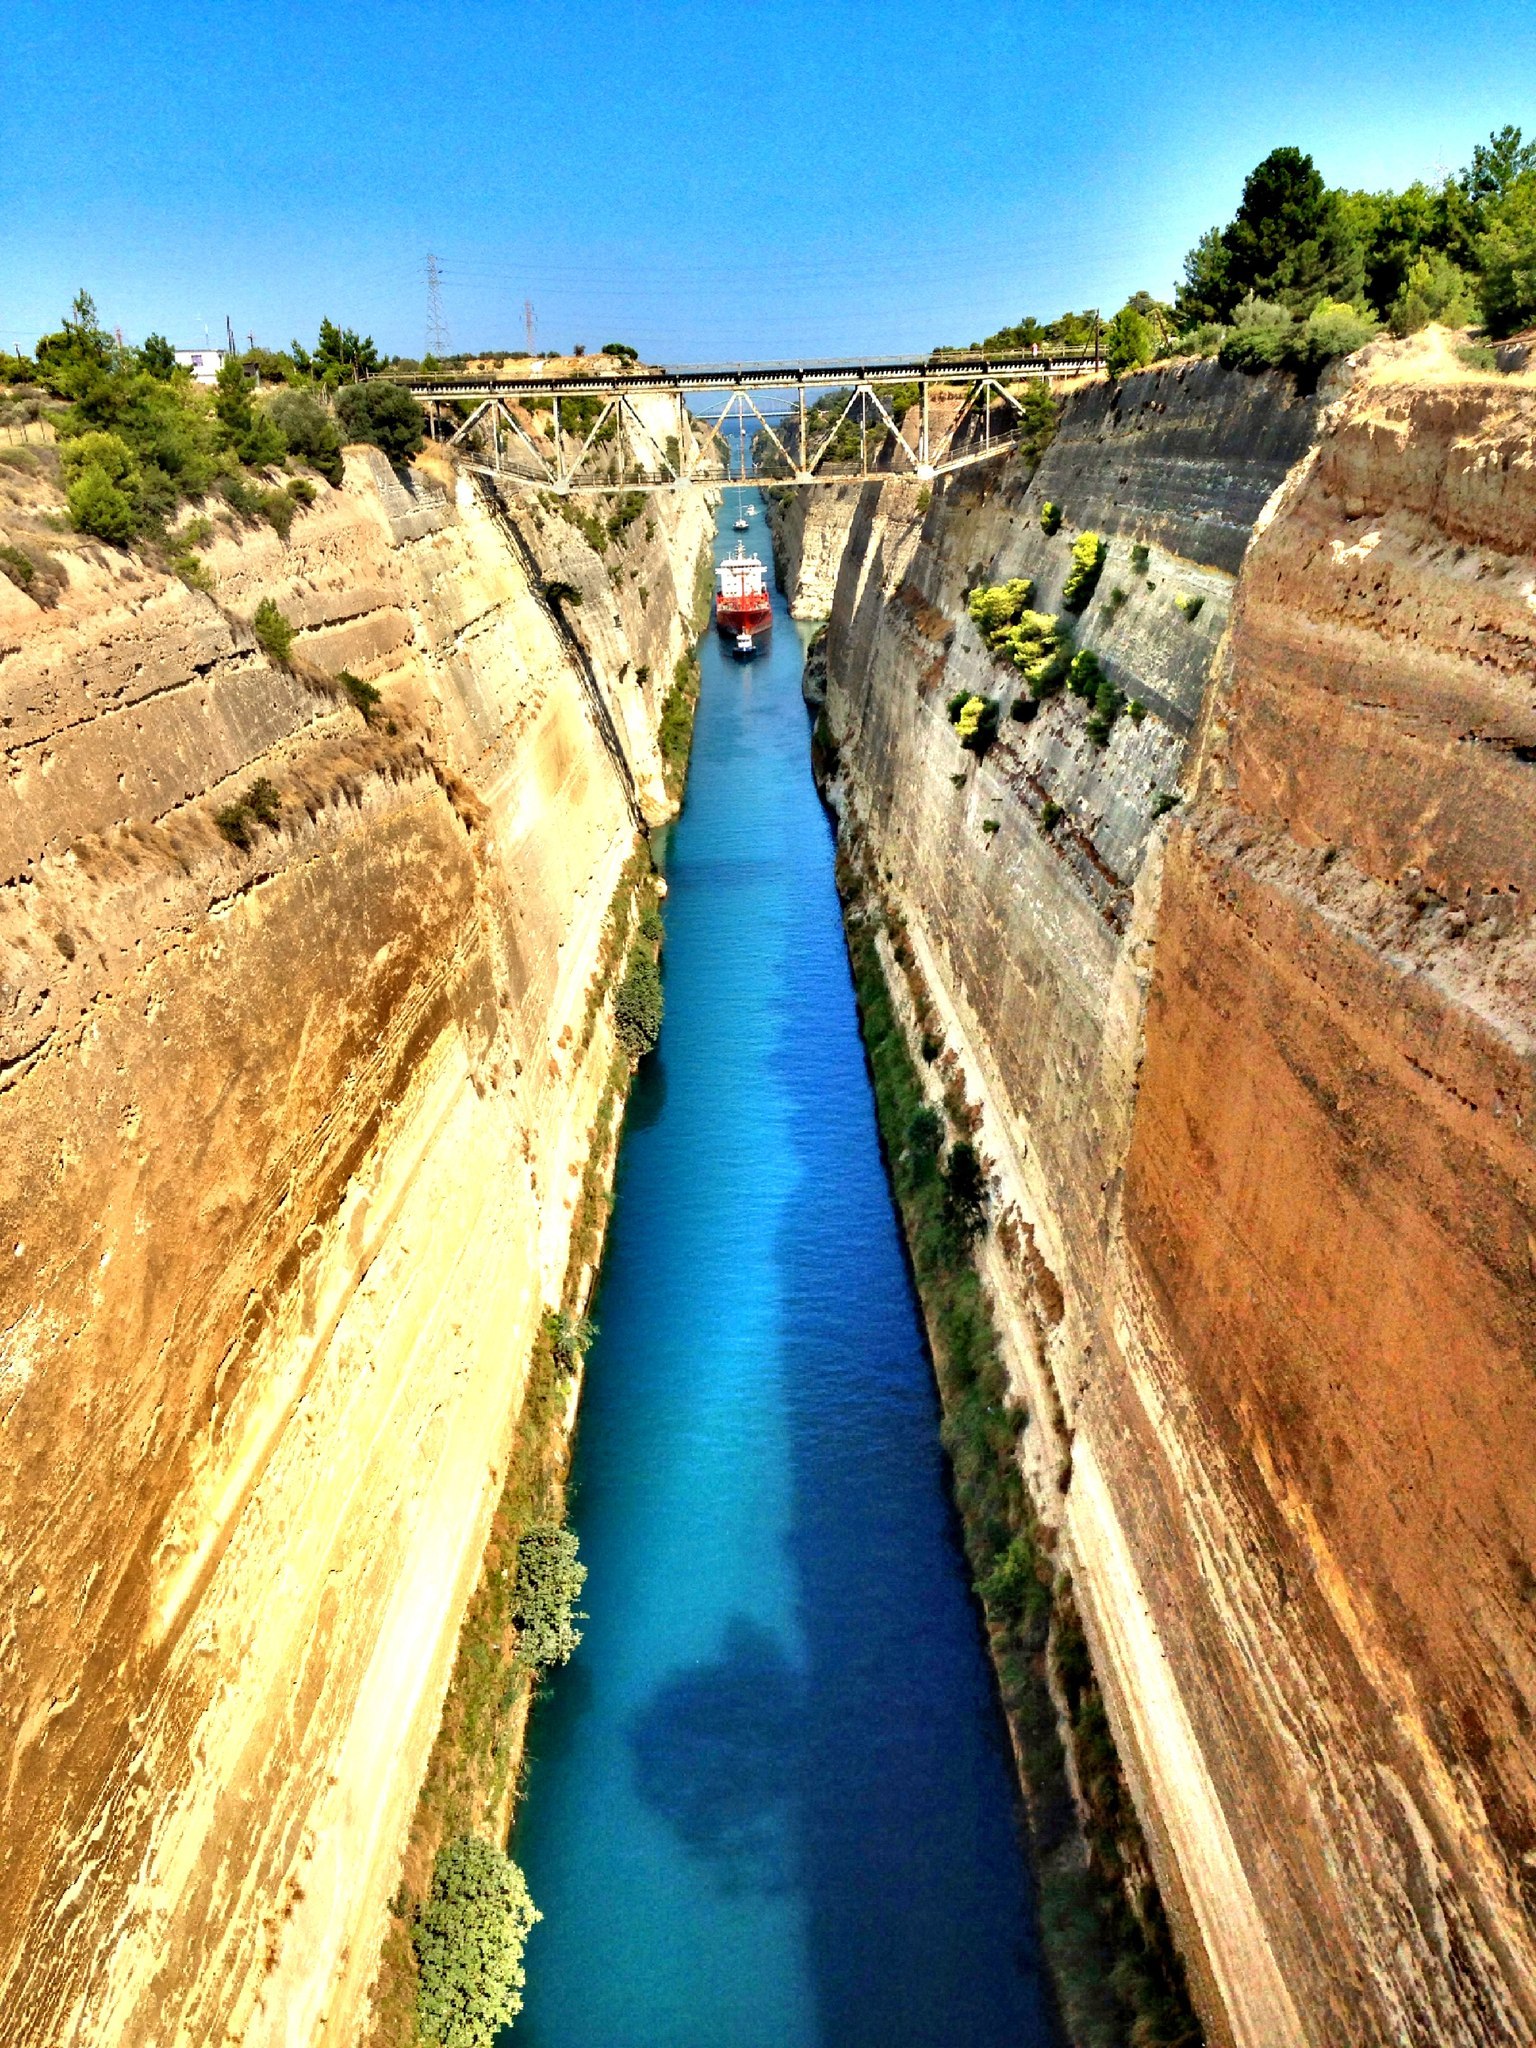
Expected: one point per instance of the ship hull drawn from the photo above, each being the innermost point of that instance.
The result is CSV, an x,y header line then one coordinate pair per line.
x,y
734,618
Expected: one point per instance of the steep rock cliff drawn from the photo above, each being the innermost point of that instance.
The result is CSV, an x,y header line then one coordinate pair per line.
x,y
809,531
291,1136
1254,1082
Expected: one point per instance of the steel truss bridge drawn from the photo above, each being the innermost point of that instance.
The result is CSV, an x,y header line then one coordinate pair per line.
x,y
645,434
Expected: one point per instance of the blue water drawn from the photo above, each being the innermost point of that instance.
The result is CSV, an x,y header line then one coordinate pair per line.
x,y
769,1802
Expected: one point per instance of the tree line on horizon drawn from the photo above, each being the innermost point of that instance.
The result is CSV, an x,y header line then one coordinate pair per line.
x,y
1305,272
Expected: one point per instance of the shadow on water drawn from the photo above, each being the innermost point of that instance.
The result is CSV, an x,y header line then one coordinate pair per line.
x,y
647,1095
716,1754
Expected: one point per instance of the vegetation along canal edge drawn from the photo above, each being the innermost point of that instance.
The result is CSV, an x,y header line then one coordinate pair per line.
x,y
460,1900
1113,1966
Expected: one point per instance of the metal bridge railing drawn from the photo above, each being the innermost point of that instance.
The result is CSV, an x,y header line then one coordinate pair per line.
x,y
658,443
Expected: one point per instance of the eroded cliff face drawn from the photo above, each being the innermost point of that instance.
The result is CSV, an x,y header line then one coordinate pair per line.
x,y
809,529
291,1136
1256,1081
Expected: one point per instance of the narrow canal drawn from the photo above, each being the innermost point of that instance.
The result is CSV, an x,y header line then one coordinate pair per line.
x,y
770,1803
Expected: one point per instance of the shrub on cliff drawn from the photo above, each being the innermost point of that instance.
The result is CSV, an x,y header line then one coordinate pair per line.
x,y
1129,342
251,434
274,633
1108,703
1050,517
384,414
1036,645
976,727
307,430
996,606
549,1582
569,1337
965,1189
1088,554
637,1008
469,1945
101,507
1085,673
1434,288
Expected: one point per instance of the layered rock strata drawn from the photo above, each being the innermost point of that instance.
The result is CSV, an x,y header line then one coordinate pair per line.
x,y
809,530
292,1131
1255,1076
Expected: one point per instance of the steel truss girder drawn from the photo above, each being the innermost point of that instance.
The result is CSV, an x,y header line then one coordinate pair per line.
x,y
698,464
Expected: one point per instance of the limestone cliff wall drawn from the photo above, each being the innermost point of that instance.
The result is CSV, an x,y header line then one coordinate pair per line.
x,y
289,1140
809,529
1255,1078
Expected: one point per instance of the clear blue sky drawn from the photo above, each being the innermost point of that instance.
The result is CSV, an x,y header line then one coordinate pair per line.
x,y
745,179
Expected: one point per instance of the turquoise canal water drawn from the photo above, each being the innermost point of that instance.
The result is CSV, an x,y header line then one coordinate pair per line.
x,y
769,1801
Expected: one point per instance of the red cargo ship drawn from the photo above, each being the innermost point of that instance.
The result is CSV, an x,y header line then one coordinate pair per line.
x,y
743,608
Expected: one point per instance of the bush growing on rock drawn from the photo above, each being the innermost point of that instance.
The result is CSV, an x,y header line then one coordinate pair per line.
x,y
1085,673
98,506
384,414
976,727
965,1189
1108,702
637,1008
1050,517
549,1582
997,606
307,430
570,1337
469,1945
1434,288
1129,342
364,696
274,633
1088,553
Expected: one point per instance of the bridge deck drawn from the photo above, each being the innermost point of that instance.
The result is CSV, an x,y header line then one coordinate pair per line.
x,y
936,369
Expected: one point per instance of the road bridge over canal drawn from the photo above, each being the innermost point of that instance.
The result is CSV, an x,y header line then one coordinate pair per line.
x,y
659,428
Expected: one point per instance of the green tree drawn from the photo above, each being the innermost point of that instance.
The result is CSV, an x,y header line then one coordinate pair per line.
x,y
469,1942
107,452
248,432
637,1008
1292,240
1088,553
158,357
342,356
1205,294
570,1337
99,506
1497,166
1507,257
1129,342
307,430
976,726
386,415
274,632
550,1577
997,606
74,361
1434,288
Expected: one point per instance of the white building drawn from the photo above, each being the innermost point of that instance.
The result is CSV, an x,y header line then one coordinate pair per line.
x,y
204,363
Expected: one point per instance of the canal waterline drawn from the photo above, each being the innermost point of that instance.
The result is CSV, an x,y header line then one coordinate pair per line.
x,y
770,1802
